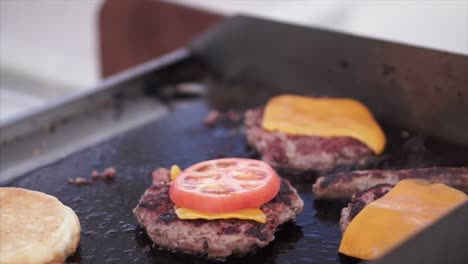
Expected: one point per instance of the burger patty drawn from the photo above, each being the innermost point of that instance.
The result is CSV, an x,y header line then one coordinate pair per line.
x,y
214,239
344,184
303,153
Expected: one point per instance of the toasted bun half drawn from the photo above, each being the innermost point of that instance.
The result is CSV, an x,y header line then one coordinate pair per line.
x,y
35,228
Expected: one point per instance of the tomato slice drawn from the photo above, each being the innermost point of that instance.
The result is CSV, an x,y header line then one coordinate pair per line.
x,y
225,185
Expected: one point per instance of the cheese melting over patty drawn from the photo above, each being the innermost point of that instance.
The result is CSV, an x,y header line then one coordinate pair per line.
x,y
406,209
324,117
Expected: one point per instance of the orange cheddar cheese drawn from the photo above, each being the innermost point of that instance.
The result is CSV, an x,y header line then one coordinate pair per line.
x,y
405,210
254,214
325,117
175,171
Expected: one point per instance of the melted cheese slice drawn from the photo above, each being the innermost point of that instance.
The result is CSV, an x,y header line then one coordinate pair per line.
x,y
175,171
408,208
254,214
325,117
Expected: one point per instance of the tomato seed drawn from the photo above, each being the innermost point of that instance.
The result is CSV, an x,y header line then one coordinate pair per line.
x,y
248,186
225,164
205,168
245,176
217,189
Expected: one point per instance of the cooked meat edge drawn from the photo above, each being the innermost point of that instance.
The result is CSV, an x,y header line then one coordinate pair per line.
x,y
344,184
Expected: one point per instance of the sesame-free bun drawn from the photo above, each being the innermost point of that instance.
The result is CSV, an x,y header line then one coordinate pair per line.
x,y
35,228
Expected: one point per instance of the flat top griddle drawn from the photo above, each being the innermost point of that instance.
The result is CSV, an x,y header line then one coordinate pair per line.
x,y
110,233
246,61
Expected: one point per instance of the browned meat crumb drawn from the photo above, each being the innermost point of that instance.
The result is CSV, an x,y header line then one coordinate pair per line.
x,y
78,181
234,116
215,116
95,175
109,173
212,118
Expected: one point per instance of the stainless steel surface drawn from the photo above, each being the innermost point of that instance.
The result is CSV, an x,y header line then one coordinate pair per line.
x,y
416,88
73,123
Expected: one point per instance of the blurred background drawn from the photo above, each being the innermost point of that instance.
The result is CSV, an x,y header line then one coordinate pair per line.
x,y
53,48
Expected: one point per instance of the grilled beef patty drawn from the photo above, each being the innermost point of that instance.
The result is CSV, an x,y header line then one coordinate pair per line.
x,y
214,239
359,201
303,153
344,184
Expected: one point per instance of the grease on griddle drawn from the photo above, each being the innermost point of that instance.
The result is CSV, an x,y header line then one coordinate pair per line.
x,y
215,117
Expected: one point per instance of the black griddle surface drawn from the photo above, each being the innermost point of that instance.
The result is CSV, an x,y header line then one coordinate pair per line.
x,y
110,233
